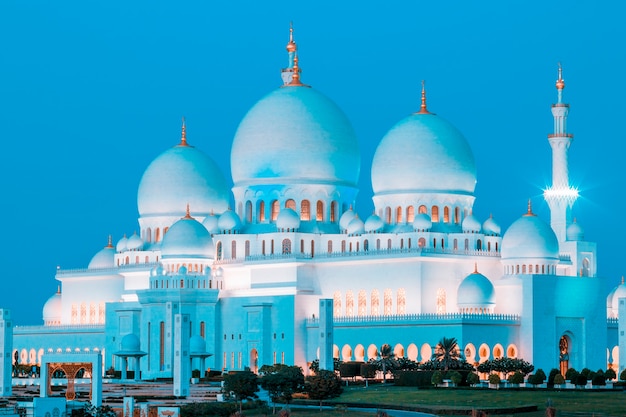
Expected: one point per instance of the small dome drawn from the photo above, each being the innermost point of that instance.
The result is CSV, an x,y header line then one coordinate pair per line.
x,y
182,270
187,238
422,221
471,224
52,310
287,220
476,292
491,227
121,244
134,243
105,258
130,343
355,227
373,224
197,344
530,237
157,271
346,218
229,221
211,223
575,232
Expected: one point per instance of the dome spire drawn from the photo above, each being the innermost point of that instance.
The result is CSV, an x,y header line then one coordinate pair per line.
x,y
187,213
183,135
475,267
287,74
291,45
110,242
295,77
560,85
423,109
530,209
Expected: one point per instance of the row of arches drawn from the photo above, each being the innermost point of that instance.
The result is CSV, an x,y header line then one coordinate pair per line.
x,y
319,211
361,309
401,215
32,356
528,269
126,260
83,313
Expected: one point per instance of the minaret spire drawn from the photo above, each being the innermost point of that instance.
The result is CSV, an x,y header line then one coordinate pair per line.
x,y
560,196
423,109
183,135
292,53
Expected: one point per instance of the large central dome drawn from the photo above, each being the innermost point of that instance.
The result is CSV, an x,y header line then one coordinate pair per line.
x,y
423,153
295,135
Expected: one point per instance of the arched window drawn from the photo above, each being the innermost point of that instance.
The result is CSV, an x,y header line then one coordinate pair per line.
x,y
374,303
362,303
233,250
441,301
286,246
466,244
330,246
435,214
333,212
401,303
272,246
312,248
388,244
399,215
388,300
401,243
149,235
337,304
247,248
523,269
366,245
319,212
349,304
388,215
249,211
488,246
218,251
410,214
377,244
291,204
261,214
301,245
457,215
455,244
275,210
422,209
343,246
158,235
446,214
263,247
305,210
479,244
586,269
421,242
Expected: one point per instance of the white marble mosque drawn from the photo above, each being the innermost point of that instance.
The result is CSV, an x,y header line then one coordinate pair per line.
x,y
249,282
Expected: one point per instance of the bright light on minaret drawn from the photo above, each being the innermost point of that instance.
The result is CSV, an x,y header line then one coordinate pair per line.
x,y
560,196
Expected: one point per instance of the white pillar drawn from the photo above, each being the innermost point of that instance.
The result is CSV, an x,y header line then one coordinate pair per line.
x,y
326,332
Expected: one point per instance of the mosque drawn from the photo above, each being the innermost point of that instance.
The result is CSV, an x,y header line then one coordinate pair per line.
x,y
290,273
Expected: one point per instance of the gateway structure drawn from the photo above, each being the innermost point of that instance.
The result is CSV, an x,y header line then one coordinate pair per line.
x,y
293,270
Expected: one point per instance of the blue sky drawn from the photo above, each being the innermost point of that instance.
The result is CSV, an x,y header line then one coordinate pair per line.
x,y
91,92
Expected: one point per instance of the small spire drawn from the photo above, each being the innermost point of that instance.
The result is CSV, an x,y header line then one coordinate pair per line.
x,y
530,209
295,78
183,135
423,109
110,242
622,279
187,213
560,84
291,45
59,287
475,267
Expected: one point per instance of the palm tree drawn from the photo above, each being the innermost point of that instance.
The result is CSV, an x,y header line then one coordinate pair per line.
x,y
386,360
447,352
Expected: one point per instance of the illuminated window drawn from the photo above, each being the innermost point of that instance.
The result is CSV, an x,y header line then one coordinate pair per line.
x,y
410,214
337,304
349,304
457,215
343,246
421,242
435,214
305,210
291,204
446,214
275,210
366,245
422,210
333,211
286,246
388,215
319,213
375,303
158,235
388,300
401,304
441,301
399,215
312,248
362,303
261,213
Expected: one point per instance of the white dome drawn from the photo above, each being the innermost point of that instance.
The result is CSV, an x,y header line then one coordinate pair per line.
x,y
471,224
134,243
229,221
476,292
530,237
182,175
423,153
422,221
121,244
618,292
373,224
211,223
287,220
346,218
355,227
52,309
187,238
105,258
575,232
295,135
491,227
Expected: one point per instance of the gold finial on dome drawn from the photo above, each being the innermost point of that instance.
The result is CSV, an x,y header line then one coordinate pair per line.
x,y
183,135
560,84
530,209
187,213
476,267
59,288
295,78
423,109
622,279
110,242
291,46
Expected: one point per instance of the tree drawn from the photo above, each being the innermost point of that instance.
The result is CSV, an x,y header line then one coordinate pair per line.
x,y
622,375
571,374
242,385
323,385
455,377
610,374
472,378
558,379
90,410
447,352
386,361
282,381
437,378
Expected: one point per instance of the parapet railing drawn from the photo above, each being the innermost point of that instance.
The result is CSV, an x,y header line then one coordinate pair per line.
x,y
397,318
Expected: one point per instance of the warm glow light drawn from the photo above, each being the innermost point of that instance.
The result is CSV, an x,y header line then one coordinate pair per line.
x,y
569,194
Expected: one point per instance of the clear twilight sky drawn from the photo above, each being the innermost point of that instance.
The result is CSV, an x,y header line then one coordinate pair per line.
x,y
92,91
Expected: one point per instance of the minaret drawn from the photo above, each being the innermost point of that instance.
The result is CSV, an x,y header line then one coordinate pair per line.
x,y
560,196
292,49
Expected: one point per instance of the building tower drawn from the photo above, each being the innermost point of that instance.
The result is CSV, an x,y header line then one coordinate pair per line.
x,y
560,196
6,353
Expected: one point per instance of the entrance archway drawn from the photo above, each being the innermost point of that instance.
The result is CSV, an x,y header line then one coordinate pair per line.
x,y
564,350
254,360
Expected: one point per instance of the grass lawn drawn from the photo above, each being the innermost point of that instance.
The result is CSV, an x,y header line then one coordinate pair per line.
x,y
611,403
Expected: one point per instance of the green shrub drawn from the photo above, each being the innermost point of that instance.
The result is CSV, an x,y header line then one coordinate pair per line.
x,y
540,376
622,375
571,374
472,378
455,377
586,372
581,379
421,379
558,379
610,374
494,379
437,378
516,378
350,369
553,372
598,379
